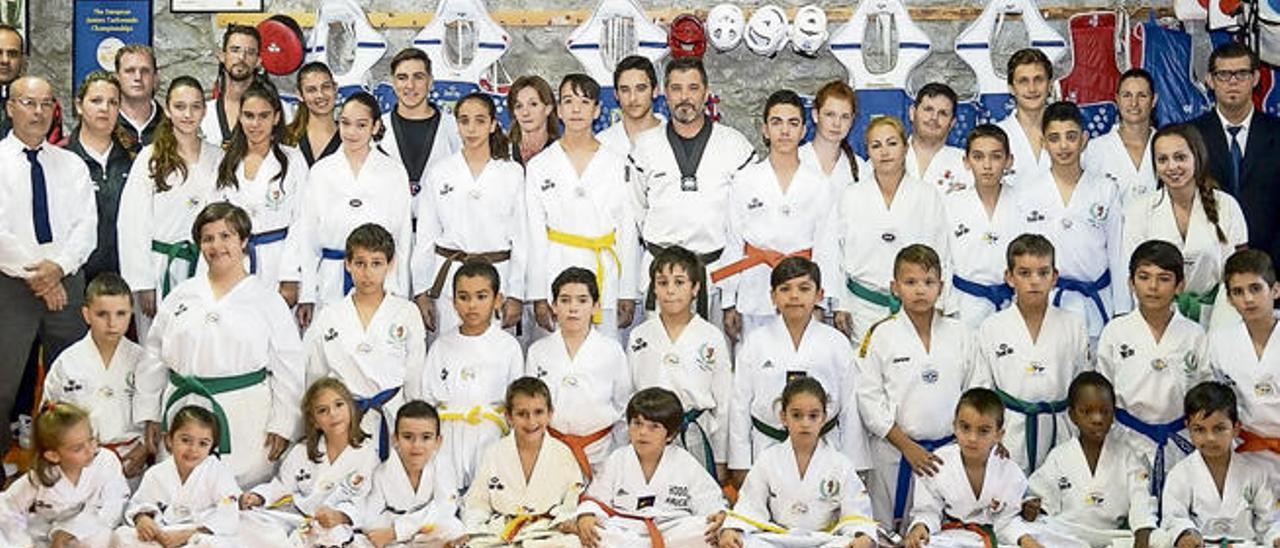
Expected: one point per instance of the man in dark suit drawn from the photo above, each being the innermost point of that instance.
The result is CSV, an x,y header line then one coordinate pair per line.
x,y
1244,144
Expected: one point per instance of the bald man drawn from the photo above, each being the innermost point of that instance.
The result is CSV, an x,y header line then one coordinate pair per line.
x,y
46,235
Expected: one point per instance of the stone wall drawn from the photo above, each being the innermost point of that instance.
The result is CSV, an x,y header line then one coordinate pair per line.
x,y
185,45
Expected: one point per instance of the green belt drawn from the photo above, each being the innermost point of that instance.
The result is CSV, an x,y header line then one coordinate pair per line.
x,y
872,296
779,435
184,250
208,387
1190,302
1033,410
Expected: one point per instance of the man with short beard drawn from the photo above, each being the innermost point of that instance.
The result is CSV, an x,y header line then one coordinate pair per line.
x,y
683,177
929,158
240,61
13,64
140,113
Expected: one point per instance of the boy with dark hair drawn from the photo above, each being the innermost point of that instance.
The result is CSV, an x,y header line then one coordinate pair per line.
x,y
1243,354
468,369
1028,353
682,352
373,341
1153,355
910,367
793,345
585,370
1083,218
1217,496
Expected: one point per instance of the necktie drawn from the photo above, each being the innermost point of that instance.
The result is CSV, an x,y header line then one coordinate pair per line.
x,y
1237,157
39,198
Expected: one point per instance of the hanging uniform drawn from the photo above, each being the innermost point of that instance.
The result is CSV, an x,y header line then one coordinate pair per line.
x,y
947,506
591,388
88,509
1088,248
765,363
373,361
427,514
502,507
460,217
872,235
302,486
1107,154
698,368
1032,377
156,251
1028,168
238,355
768,224
208,498
1243,515
442,132
583,220
1151,217
337,201
1151,378
272,205
78,376
946,170
826,506
900,382
683,194
1256,382
673,504
978,242
1099,506
466,378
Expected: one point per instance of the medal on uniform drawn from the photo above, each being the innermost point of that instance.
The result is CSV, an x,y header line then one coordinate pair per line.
x,y
106,392
474,194
799,508
211,317
689,183
364,348
580,192
1066,223
888,237
355,202
570,380
786,209
671,359
468,374
1158,364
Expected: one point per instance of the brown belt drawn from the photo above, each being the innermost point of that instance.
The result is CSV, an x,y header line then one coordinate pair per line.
x,y
452,255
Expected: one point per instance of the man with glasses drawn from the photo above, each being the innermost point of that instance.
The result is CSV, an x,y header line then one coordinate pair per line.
x,y
240,63
13,63
1244,144
140,113
46,235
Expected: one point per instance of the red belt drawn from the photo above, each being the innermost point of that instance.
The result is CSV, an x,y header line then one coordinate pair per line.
x,y
578,445
1257,442
756,256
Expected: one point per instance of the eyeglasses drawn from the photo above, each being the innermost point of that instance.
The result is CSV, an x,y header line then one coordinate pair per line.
x,y
1224,76
31,104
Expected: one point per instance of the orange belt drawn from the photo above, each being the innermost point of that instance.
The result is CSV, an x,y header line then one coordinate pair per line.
x,y
987,533
655,536
756,256
578,445
1257,442
115,447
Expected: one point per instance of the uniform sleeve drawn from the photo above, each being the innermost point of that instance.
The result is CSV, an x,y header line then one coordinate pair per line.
x,y
103,510
441,514
416,359
15,503
428,230
1142,504
1008,523
1043,483
151,374
927,505
55,380
82,237
224,520
733,244
1134,230
426,385
1121,298
627,243
303,239
515,282
283,484
537,282
623,388
147,499
1108,365
133,231
317,366
826,247
477,507
287,370
602,488
350,497
853,436
878,410
1231,219
855,508
722,392
1082,355
402,285
982,374
297,179
707,497
753,501
740,410
1175,504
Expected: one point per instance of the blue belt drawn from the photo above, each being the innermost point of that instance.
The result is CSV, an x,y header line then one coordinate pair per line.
x,y
997,294
690,418
339,255
1088,289
375,403
904,476
1032,410
268,237
1161,434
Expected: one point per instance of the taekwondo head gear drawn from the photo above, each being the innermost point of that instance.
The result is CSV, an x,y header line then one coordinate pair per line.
x,y
767,31
687,37
282,44
724,26
809,30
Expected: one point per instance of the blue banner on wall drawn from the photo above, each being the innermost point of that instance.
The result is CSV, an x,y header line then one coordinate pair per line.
x,y
100,27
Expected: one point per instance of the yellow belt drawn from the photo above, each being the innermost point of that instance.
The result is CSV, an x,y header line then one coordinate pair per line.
x,y
598,245
475,416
